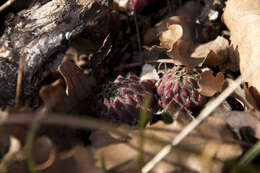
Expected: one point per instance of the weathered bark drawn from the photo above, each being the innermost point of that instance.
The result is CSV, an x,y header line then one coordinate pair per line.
x,y
41,34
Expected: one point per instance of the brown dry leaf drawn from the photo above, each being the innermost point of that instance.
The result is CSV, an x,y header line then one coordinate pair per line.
x,y
212,59
244,26
190,9
78,84
218,45
79,87
209,84
252,95
180,47
54,95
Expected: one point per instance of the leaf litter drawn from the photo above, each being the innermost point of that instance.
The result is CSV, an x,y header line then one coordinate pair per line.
x,y
180,39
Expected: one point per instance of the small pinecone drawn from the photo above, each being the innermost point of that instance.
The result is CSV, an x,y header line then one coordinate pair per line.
x,y
179,85
122,100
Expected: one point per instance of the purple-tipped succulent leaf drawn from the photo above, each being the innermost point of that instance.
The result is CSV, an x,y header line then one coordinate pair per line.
x,y
179,84
122,100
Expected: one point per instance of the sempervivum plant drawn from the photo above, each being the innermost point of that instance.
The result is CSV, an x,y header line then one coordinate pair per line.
x,y
122,100
179,85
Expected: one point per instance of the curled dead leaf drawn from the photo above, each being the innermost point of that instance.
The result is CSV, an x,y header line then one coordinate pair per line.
x,y
151,35
171,36
209,84
218,45
219,53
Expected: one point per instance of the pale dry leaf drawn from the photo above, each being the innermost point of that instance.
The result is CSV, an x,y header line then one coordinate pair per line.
x,y
149,73
122,4
244,27
169,37
217,53
151,35
209,84
218,45
15,146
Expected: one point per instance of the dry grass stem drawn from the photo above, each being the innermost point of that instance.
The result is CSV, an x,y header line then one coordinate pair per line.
x,y
19,82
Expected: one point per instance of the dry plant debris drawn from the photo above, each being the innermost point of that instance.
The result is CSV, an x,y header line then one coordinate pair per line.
x,y
242,24
92,101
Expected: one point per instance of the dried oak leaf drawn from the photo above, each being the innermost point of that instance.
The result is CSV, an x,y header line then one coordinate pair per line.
x,y
244,27
209,84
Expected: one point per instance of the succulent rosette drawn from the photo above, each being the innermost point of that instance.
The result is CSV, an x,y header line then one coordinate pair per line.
x,y
179,85
122,100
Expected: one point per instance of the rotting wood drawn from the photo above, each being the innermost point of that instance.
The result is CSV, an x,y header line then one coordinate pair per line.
x,y
41,34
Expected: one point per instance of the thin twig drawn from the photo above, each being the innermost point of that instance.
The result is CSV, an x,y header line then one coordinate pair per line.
x,y
20,76
6,5
19,81
203,115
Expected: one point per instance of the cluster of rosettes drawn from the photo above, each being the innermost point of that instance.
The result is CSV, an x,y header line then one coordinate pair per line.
x,y
122,100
